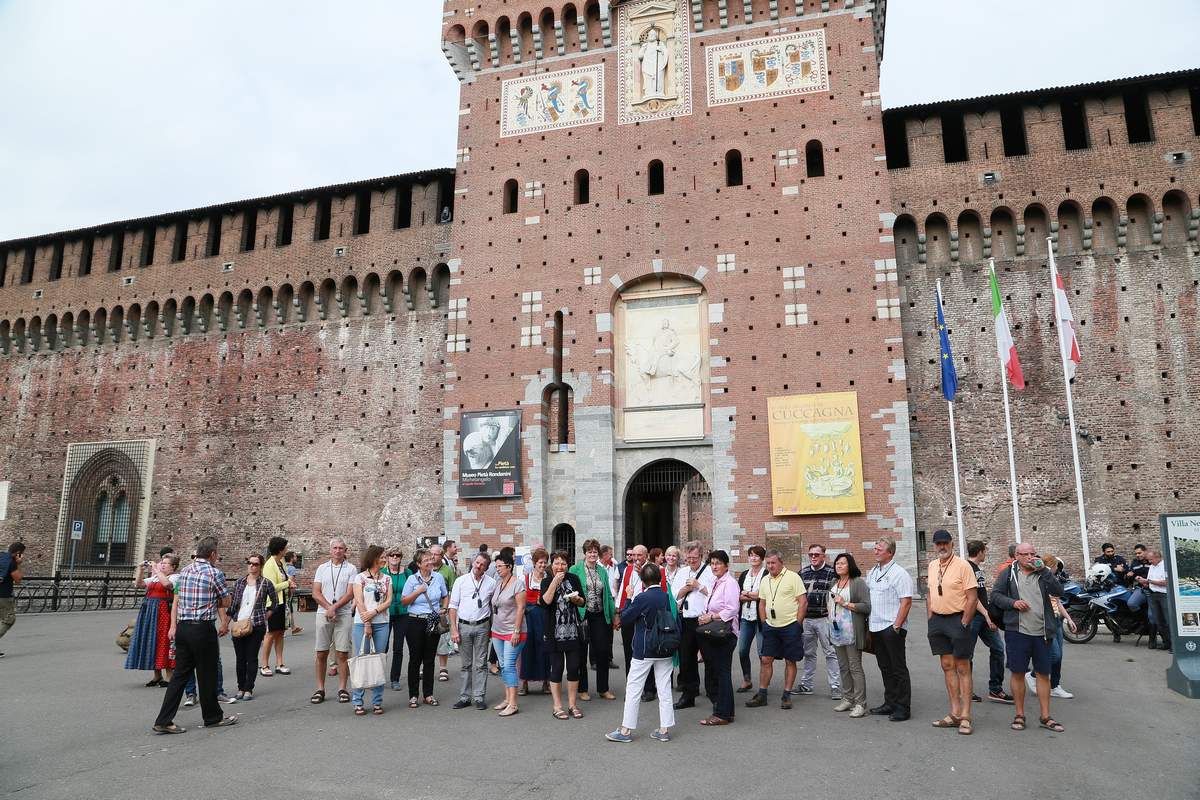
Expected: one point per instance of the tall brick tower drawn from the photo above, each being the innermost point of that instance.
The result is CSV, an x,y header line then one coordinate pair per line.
x,y
667,212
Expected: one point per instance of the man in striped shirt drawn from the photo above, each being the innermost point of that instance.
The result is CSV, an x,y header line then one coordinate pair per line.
x,y
201,598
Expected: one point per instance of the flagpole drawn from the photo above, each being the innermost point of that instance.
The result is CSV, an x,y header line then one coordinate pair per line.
x,y
962,540
1012,463
1062,353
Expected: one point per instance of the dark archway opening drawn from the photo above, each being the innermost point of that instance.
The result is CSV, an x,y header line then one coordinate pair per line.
x,y
668,502
563,540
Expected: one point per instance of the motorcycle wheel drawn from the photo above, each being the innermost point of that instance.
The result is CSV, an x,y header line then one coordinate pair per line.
x,y
1085,628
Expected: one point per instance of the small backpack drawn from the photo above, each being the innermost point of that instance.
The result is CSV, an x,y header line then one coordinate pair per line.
x,y
662,637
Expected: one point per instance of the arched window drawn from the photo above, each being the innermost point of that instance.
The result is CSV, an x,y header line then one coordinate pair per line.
x,y
655,181
563,538
510,196
733,168
814,159
583,187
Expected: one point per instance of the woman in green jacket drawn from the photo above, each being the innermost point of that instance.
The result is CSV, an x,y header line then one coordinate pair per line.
x,y
397,612
596,614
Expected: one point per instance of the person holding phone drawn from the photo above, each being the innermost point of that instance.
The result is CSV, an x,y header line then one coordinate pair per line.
x,y
150,647
562,597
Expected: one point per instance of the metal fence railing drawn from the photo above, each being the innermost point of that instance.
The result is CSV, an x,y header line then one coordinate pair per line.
x,y
35,595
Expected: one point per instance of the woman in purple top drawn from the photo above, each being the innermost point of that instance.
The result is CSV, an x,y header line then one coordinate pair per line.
x,y
724,604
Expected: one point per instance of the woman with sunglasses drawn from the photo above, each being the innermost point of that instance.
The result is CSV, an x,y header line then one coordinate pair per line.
x,y
398,613
248,603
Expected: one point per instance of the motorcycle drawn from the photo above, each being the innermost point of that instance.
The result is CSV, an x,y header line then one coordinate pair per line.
x,y
1102,599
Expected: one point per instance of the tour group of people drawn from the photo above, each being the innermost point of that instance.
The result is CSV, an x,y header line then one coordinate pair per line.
x,y
552,622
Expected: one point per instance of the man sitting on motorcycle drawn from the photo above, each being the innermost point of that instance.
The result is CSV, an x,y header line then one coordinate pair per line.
x,y
1118,564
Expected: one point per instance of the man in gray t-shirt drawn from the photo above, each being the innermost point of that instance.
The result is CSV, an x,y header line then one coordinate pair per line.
x,y
1031,622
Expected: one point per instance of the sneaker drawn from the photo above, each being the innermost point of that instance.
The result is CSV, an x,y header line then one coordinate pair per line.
x,y
482,706
617,736
660,736
1031,681
1059,691
224,698
189,699
845,705
1000,697
859,711
758,701
463,703
835,694
395,686
976,698
804,690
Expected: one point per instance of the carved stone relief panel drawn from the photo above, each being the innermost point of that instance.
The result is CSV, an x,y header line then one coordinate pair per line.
x,y
654,64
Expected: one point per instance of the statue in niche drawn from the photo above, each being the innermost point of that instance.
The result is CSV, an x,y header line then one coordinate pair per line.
x,y
654,57
661,374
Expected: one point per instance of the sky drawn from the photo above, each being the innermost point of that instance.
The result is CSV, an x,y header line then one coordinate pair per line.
x,y
117,110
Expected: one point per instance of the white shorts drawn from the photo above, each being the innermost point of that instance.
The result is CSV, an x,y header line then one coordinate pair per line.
x,y
336,632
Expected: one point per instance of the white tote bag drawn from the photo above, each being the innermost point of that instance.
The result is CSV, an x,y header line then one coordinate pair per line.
x,y
367,670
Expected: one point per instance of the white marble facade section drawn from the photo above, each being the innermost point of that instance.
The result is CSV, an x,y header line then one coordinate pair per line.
x,y
552,100
762,69
654,61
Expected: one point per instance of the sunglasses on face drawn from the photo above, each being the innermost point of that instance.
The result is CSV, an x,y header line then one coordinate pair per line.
x,y
253,563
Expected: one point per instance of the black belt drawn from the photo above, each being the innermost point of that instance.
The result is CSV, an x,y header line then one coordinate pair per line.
x,y
476,621
196,622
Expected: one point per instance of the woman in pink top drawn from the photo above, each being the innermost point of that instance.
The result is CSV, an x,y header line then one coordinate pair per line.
x,y
724,605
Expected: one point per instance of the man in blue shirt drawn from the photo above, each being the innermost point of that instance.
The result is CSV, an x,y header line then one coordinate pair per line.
x,y
639,613
10,576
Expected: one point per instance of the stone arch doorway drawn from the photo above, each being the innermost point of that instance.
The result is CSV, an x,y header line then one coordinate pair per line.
x,y
668,502
562,540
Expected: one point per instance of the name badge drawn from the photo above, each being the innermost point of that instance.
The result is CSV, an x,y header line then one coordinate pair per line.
x,y
479,603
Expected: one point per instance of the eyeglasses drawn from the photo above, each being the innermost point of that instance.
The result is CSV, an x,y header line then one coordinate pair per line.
x,y
815,555
253,563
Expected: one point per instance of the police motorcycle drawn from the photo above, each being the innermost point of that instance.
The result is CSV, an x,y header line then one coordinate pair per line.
x,y
1101,599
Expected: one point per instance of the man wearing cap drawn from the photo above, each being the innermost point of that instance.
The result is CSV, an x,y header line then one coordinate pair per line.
x,y
953,592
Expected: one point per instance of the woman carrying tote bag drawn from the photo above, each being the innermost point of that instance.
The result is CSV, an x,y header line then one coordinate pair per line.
x,y
372,600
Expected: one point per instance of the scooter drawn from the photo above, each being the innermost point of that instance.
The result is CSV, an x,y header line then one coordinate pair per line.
x,y
1103,599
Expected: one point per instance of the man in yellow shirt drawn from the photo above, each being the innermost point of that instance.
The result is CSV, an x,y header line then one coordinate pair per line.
x,y
953,589
782,603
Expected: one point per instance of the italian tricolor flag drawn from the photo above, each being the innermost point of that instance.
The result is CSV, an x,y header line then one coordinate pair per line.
x,y
1004,341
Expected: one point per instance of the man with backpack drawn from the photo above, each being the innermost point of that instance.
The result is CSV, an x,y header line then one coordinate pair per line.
x,y
655,639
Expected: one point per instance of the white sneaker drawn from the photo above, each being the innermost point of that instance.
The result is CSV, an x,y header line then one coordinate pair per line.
x,y
1059,691
1031,681
189,700
859,711
845,705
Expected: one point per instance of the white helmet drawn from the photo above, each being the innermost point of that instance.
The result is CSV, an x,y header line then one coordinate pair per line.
x,y
1098,573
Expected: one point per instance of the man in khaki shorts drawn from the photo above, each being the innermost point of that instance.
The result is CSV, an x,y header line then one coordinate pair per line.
x,y
331,590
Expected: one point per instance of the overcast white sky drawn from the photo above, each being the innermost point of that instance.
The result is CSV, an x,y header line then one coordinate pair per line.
x,y
114,110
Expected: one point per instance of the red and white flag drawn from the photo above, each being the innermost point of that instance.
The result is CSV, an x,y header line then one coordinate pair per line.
x,y
1066,323
1005,347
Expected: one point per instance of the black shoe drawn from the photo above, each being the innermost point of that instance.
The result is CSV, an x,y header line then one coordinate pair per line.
x,y
1116,638
976,698
685,702
462,704
899,715
482,706
883,710
758,701
649,697
1000,697
613,665
802,690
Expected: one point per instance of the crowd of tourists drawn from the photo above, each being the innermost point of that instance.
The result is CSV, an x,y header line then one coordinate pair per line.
x,y
549,625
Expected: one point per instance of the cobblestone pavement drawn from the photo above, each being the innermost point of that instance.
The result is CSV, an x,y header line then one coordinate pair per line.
x,y
76,725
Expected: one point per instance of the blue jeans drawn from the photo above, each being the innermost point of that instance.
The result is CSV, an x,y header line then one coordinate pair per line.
x,y
507,654
190,688
379,637
1056,654
995,645
749,629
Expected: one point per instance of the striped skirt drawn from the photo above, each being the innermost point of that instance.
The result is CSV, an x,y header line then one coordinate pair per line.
x,y
150,648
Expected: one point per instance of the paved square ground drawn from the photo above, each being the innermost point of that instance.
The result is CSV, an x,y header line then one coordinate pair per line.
x,y
76,725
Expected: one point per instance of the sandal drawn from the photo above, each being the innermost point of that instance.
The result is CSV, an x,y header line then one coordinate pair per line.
x,y
1018,723
558,713
413,702
359,711
431,701
501,706
948,721
508,712
714,721
154,682
608,696
443,675
965,726
575,713
1050,724
343,696
265,672
164,684
283,670
172,728
377,710
318,697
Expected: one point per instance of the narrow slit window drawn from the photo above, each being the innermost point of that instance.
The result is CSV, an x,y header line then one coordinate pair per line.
x,y
146,258
214,236
324,218
1194,92
954,137
3,266
510,196
117,254
445,200
814,159
1012,130
86,248
1137,117
56,261
1074,124
583,187
362,212
655,178
403,206
179,246
283,233
249,229
27,266
895,142
733,168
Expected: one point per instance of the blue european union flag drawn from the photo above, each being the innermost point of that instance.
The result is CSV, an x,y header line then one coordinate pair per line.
x,y
949,376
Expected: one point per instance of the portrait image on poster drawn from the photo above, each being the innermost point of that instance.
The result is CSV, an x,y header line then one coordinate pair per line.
x,y
489,454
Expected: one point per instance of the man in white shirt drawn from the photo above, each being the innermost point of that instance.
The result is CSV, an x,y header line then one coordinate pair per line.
x,y
470,629
1155,584
690,585
331,590
891,599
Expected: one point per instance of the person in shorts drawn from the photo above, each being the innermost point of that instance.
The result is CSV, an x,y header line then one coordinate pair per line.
x,y
782,603
953,590
332,590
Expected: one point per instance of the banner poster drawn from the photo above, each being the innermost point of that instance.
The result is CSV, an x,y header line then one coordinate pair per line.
x,y
1183,539
816,454
489,454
